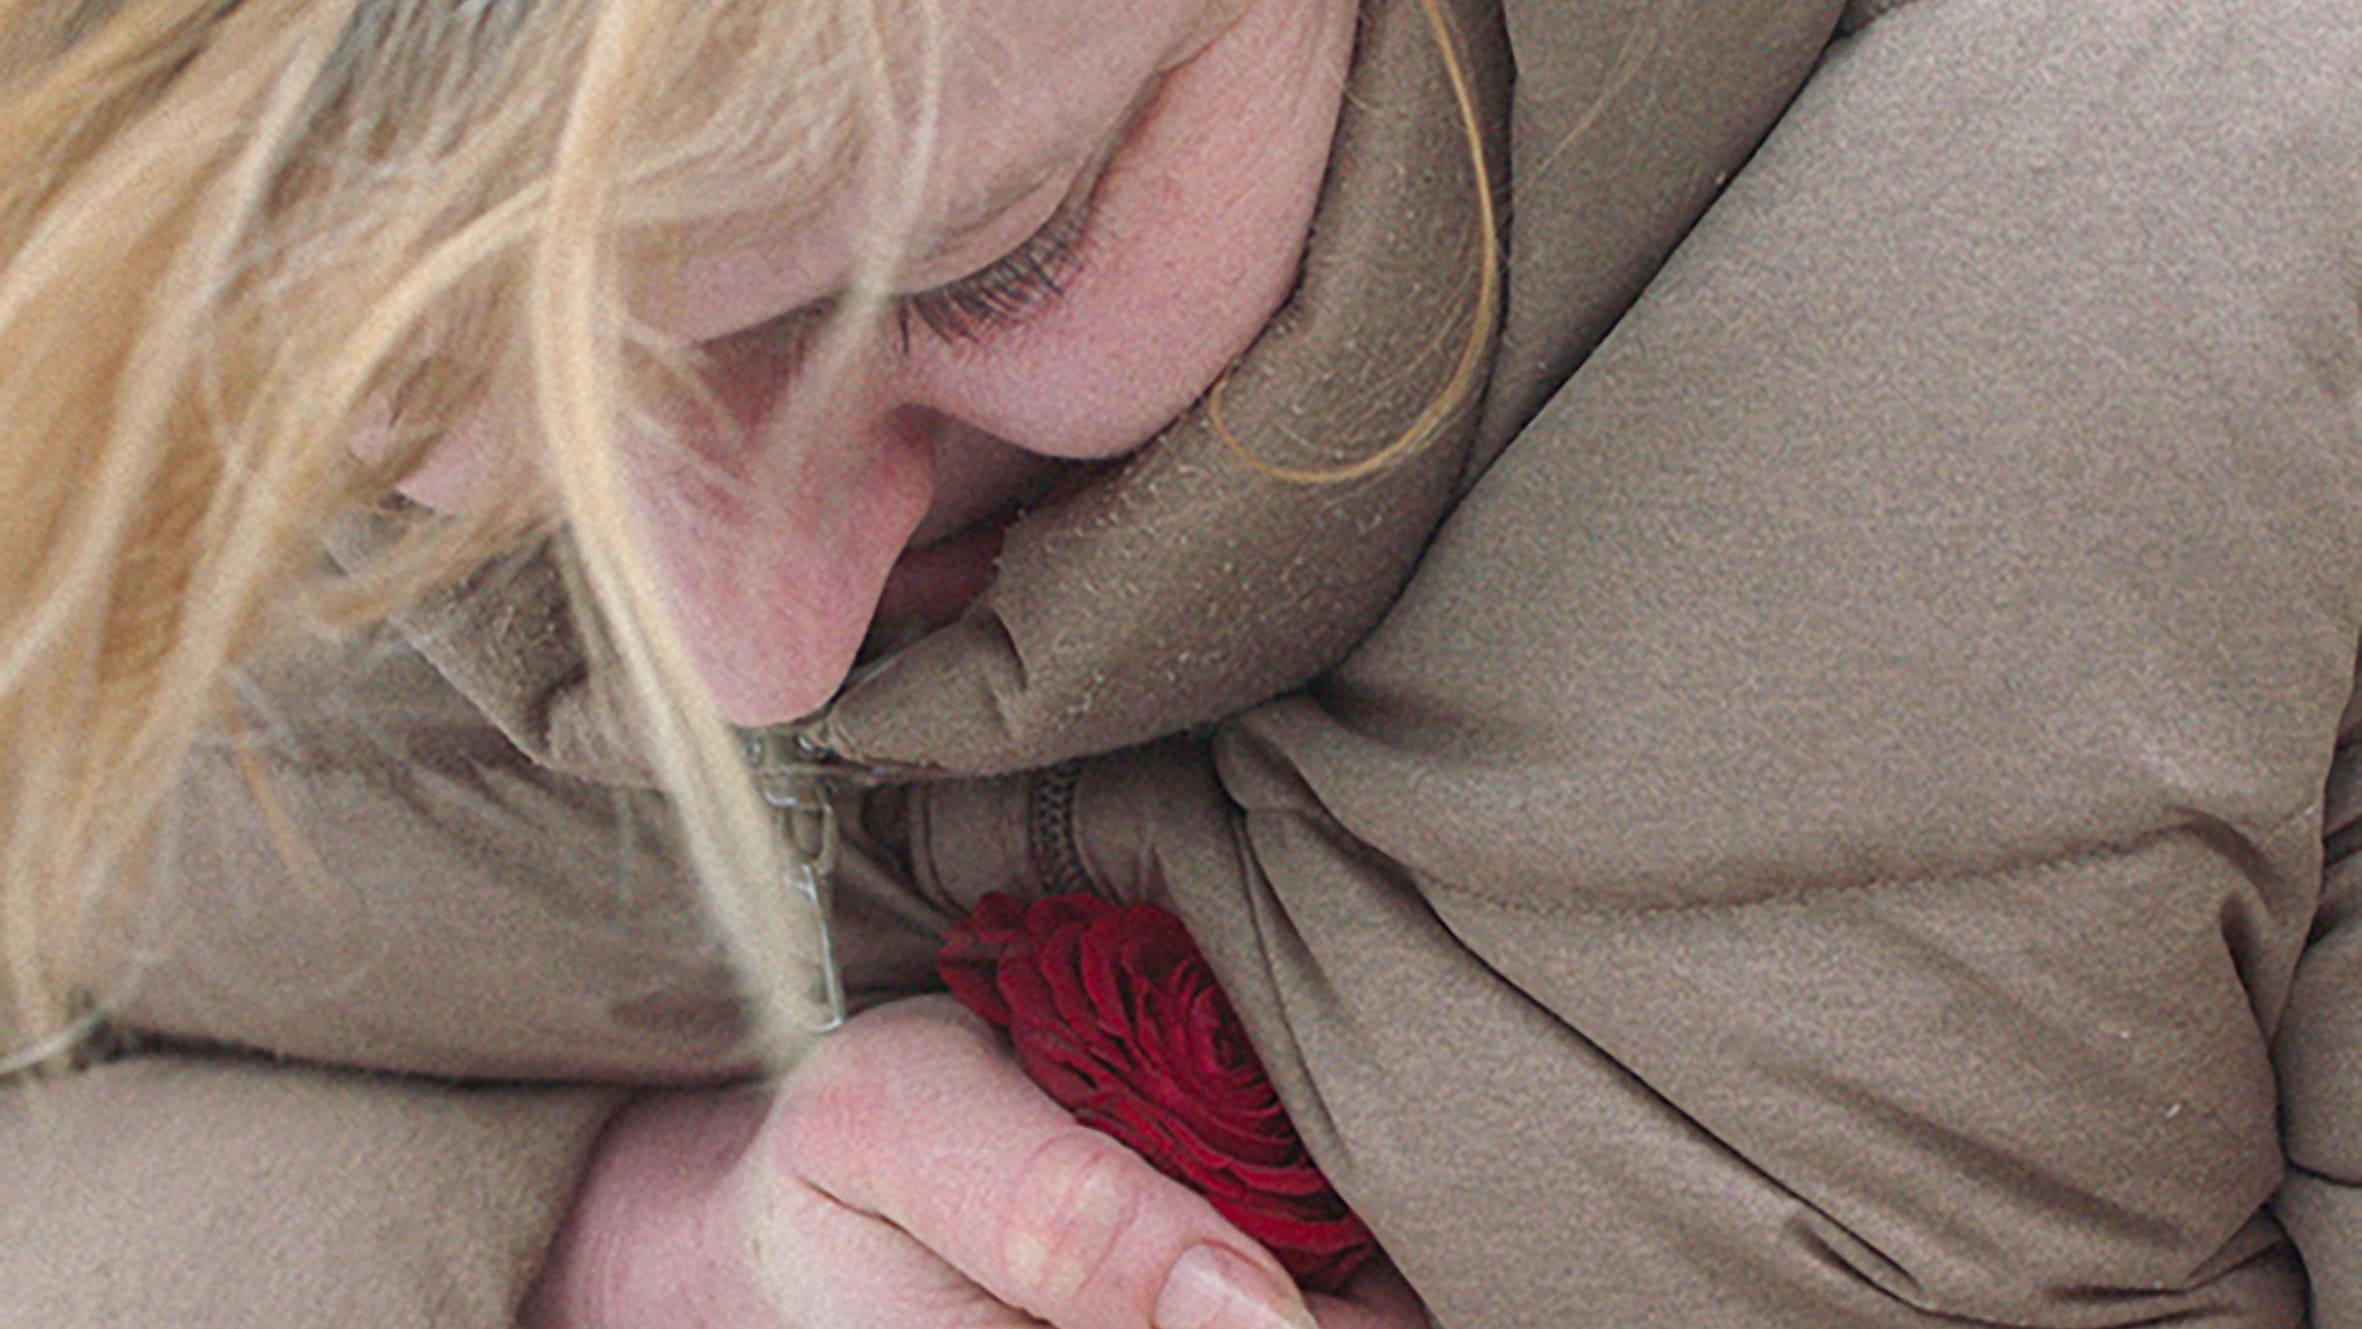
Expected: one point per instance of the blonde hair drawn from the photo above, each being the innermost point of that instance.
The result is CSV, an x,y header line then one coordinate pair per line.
x,y
231,230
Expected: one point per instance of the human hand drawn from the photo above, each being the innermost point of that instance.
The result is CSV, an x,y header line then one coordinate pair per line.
x,y
908,1174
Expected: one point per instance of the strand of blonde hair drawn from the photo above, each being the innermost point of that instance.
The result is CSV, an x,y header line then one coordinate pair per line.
x,y
1467,375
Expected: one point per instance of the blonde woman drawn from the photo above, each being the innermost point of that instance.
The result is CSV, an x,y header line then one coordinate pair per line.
x,y
1734,625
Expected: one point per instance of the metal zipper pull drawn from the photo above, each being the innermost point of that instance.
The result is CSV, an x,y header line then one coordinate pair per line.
x,y
799,779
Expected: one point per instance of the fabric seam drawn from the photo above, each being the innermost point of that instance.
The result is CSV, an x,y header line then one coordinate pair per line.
x,y
2299,1172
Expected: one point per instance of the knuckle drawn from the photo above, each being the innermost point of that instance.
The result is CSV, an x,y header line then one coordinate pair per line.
x,y
1077,1198
931,1030
821,1117
849,1101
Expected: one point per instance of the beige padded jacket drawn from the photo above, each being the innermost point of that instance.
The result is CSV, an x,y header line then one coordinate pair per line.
x,y
1826,803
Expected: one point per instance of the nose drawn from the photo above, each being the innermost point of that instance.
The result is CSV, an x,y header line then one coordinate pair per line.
x,y
776,551
875,396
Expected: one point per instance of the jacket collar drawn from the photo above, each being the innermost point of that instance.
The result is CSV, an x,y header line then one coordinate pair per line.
x,y
1183,584
1188,584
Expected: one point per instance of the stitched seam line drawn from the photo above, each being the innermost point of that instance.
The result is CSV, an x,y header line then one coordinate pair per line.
x,y
2072,858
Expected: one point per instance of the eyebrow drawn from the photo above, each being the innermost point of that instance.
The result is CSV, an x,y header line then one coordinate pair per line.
x,y
1004,195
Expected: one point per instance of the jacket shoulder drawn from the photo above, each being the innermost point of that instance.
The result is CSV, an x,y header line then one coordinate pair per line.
x,y
1872,725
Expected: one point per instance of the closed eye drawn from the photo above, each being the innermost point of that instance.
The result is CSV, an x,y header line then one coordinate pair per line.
x,y
1013,288
1028,279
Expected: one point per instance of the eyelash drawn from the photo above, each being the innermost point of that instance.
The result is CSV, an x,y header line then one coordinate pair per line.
x,y
1014,288
1004,293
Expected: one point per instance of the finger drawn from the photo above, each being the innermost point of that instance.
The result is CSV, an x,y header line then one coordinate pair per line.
x,y
824,1266
925,1120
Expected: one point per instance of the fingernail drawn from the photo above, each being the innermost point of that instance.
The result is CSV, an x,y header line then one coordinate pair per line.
x,y
1211,1288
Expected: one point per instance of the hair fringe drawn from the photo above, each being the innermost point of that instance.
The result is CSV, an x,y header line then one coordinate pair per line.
x,y
232,234
237,234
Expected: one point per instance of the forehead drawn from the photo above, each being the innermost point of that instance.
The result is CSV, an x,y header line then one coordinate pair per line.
x,y
1025,86
1004,60
994,102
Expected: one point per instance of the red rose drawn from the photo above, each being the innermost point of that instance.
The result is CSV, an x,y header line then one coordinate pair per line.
x,y
1115,1014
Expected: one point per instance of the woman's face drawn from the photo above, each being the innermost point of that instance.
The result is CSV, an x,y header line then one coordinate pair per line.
x,y
1156,160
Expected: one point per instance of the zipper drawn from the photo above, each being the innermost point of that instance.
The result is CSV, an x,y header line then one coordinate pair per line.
x,y
802,779
803,774
1055,857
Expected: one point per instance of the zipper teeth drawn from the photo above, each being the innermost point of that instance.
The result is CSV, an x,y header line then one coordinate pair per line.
x,y
1057,860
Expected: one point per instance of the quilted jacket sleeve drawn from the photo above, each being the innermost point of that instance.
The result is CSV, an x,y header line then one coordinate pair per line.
x,y
361,873
217,1194
323,856
1827,836
361,866
359,876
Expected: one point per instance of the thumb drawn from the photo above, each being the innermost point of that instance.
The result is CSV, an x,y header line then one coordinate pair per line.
x,y
923,1118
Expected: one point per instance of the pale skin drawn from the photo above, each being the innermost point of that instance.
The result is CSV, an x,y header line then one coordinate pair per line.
x,y
1209,122
908,1174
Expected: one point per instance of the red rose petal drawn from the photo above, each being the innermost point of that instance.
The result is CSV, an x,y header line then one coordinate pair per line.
x,y
1060,968
970,959
1114,1013
1057,913
1064,1069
